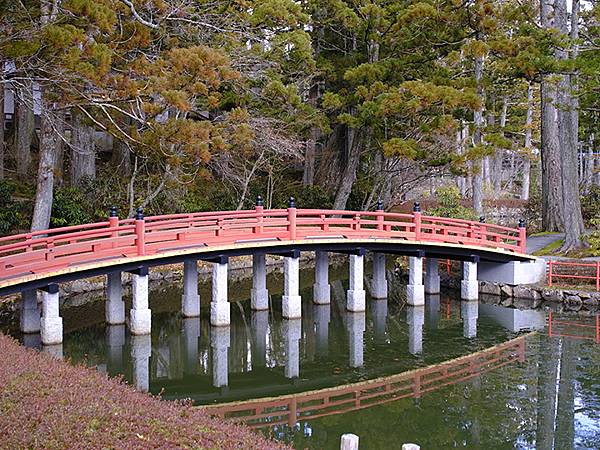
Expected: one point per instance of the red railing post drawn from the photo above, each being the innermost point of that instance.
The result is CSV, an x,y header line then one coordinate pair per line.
x,y
522,237
113,222
292,218
140,232
550,272
550,323
417,220
379,215
483,231
258,229
597,275
356,224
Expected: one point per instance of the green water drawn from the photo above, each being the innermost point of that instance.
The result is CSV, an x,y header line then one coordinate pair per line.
x,y
548,398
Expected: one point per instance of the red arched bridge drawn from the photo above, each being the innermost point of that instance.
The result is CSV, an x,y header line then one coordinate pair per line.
x,y
40,260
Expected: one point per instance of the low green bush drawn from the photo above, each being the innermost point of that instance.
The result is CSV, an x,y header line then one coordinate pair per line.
x,y
449,205
70,207
10,213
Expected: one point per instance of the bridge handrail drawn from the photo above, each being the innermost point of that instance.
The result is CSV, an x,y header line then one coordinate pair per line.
x,y
48,250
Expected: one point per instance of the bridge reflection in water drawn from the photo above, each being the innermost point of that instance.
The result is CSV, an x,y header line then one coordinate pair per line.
x,y
311,405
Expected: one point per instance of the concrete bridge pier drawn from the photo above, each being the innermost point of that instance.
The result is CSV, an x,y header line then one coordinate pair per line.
x,y
356,328
190,300
380,287
379,309
415,291
191,335
291,330
220,341
259,296
260,325
51,324
115,340
356,294
321,288
469,286
432,306
140,315
220,310
292,302
432,276
114,306
30,313
322,316
141,349
469,312
415,316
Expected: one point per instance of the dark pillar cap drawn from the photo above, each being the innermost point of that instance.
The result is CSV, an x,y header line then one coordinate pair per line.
x,y
139,214
259,200
292,203
113,211
417,207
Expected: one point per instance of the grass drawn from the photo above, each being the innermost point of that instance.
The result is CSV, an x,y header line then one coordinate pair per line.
x,y
543,233
550,249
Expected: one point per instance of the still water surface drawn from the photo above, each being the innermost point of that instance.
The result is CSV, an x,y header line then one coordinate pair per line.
x,y
532,391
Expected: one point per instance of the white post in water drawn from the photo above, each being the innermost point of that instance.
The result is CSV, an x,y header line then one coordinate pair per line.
x,y
140,316
415,291
415,316
259,296
469,286
292,303
292,329
115,306
51,324
410,447
432,276
356,293
380,287
321,288
356,328
469,312
30,313
349,441
219,341
190,300
219,307
141,349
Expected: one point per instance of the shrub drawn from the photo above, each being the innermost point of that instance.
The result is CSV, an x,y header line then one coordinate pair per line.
x,y
450,205
10,213
70,207
590,205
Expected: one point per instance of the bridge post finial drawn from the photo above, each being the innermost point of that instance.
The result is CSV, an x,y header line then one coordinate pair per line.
x,y
481,219
379,204
113,220
259,200
417,207
113,212
292,203
521,223
139,214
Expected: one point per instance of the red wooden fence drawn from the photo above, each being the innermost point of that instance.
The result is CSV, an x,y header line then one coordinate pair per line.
x,y
49,250
558,270
563,328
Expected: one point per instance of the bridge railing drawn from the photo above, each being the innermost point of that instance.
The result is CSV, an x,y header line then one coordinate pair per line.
x,y
49,250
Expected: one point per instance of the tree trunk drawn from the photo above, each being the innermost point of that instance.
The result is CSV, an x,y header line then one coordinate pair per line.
x,y
24,133
477,140
50,143
121,157
349,175
499,157
550,148
83,152
528,146
568,125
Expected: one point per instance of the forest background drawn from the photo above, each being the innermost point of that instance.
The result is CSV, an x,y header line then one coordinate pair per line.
x,y
194,105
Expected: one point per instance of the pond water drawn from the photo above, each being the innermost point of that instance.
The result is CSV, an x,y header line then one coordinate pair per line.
x,y
308,381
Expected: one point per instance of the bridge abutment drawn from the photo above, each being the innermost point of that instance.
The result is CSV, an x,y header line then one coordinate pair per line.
x,y
356,293
321,288
432,276
51,324
220,311
114,306
259,296
292,302
30,313
220,341
140,315
469,286
415,291
190,300
380,287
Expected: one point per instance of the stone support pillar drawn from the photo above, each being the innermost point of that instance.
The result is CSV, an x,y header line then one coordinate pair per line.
x,y
356,294
219,307
415,291
356,328
140,316
292,303
415,316
380,287
30,312
432,307
190,300
260,327
321,288
141,349
115,306
291,330
432,276
259,296
469,286
469,312
220,342
51,325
